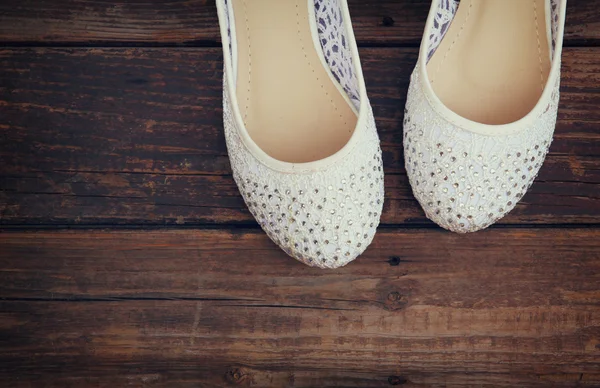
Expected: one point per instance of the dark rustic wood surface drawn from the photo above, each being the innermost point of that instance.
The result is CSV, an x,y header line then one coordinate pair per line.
x,y
194,22
127,257
190,305
121,136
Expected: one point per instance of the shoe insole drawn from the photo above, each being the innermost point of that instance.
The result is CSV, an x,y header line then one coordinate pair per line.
x,y
287,97
493,63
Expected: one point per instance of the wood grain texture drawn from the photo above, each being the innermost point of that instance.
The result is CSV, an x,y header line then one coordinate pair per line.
x,y
194,22
502,308
134,136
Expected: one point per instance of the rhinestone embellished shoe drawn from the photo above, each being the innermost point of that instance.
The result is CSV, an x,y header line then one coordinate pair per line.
x,y
299,129
481,107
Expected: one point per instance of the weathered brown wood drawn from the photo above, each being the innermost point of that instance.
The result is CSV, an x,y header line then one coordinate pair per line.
x,y
211,342
83,198
134,136
192,373
491,269
504,308
193,22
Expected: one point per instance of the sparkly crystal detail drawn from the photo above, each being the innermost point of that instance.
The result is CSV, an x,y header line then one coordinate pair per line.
x,y
289,207
465,181
325,216
487,165
311,215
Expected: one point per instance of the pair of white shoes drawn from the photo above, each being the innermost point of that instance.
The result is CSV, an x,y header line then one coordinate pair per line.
x,y
301,136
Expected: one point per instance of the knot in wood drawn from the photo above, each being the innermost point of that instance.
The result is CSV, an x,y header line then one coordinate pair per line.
x,y
394,296
395,300
236,376
397,380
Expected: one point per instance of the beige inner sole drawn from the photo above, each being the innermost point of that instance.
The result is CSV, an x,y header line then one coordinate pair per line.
x,y
493,63
290,105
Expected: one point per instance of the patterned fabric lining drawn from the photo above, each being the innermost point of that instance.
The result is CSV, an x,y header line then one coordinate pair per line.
x,y
336,50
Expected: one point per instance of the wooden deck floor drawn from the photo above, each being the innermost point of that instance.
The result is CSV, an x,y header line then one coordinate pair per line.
x,y
128,258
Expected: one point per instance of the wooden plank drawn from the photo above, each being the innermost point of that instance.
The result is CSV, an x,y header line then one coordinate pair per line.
x,y
97,344
195,22
134,136
490,269
192,373
82,198
503,308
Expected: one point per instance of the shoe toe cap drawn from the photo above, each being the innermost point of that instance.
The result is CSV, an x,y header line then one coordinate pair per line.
x,y
323,218
465,192
322,223
331,248
468,178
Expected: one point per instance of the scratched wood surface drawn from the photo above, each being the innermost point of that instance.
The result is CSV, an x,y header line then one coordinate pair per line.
x,y
127,257
194,22
130,305
134,136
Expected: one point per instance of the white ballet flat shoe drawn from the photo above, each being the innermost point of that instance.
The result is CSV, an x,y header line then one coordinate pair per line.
x,y
299,129
481,107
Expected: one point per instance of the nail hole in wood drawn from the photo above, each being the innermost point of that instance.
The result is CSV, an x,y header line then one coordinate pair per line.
x,y
388,21
394,261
